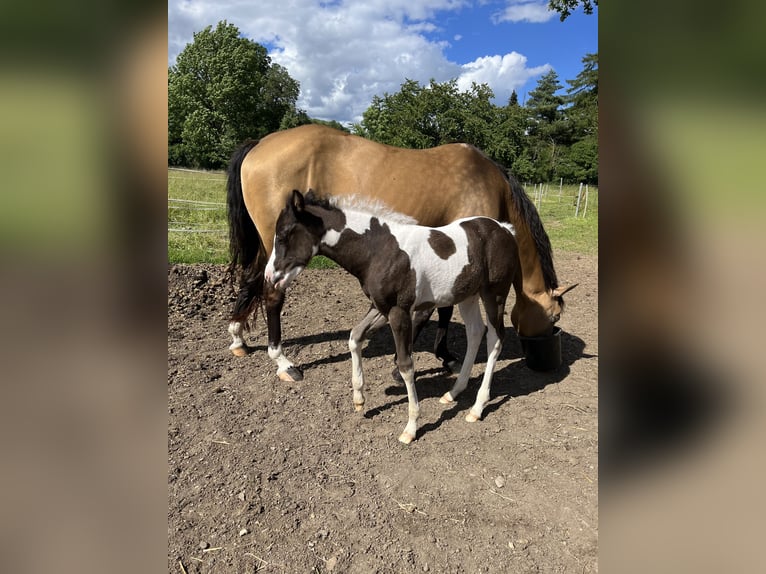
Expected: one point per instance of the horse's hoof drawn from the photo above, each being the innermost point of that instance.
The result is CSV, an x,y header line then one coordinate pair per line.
x,y
358,408
406,438
453,367
241,351
471,418
290,375
446,399
397,376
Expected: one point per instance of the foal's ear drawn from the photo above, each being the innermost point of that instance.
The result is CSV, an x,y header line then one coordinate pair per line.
x,y
297,201
559,291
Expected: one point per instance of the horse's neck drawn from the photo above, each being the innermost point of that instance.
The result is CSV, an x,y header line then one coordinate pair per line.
x,y
356,260
531,269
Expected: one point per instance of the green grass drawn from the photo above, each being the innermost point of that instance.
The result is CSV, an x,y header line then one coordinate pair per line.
x,y
205,232
567,232
205,235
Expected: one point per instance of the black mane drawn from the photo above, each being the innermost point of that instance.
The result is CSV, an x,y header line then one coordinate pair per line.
x,y
529,213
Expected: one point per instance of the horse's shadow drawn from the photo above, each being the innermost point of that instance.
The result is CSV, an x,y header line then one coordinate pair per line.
x,y
513,380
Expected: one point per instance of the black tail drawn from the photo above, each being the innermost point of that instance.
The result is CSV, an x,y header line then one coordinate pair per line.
x,y
245,244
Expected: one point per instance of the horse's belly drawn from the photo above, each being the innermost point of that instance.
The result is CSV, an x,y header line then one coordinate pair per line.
x,y
436,287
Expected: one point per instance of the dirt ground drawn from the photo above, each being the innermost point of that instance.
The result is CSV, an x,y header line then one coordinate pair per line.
x,y
268,476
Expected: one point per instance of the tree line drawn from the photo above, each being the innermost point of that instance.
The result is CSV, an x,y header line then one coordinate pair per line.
x,y
225,89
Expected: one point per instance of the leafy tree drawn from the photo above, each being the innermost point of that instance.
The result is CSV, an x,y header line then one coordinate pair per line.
x,y
426,116
222,90
565,7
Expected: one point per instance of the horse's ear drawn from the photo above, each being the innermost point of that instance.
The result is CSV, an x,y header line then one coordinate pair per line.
x,y
559,291
297,201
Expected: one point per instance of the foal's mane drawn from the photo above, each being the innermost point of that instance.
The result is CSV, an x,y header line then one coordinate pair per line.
x,y
362,204
529,214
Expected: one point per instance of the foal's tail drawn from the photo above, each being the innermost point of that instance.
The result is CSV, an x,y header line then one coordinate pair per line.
x,y
245,245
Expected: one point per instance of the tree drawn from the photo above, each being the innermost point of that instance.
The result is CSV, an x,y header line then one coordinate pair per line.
x,y
222,90
565,7
548,129
583,95
583,116
426,116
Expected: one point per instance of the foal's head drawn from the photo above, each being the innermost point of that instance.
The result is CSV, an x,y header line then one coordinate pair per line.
x,y
296,241
535,316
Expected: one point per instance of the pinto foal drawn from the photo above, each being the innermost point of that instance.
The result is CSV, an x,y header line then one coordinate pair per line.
x,y
404,268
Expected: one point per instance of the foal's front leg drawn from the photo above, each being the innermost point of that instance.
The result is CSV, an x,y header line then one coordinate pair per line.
x,y
401,326
373,320
275,299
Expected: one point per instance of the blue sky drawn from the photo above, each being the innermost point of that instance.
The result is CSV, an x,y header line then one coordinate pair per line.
x,y
345,52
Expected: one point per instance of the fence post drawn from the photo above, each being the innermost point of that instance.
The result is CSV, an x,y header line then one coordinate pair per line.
x,y
585,209
561,182
579,194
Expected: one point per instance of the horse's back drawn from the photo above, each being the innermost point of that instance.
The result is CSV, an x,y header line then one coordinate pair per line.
x,y
435,186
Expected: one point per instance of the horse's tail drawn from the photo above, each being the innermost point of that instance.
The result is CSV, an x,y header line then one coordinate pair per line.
x,y
245,245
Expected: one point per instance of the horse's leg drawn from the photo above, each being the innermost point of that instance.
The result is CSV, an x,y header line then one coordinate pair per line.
x,y
474,329
419,320
449,361
248,300
401,326
495,336
275,299
238,346
373,320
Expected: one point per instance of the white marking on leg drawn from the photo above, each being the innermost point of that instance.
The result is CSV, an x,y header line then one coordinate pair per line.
x,y
413,409
236,330
268,273
494,346
474,329
276,354
357,376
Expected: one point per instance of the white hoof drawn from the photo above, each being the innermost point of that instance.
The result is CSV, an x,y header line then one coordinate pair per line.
x,y
290,375
471,418
240,350
359,408
446,399
406,438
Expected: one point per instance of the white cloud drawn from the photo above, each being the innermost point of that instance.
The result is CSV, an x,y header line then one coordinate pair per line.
x,y
344,53
534,11
503,73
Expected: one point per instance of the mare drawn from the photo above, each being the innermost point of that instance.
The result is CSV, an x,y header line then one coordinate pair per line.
x,y
402,268
434,186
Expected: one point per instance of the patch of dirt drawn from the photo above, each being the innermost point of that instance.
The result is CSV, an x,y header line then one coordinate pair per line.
x,y
270,476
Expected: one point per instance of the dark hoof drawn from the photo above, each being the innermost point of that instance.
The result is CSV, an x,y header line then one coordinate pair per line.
x,y
397,376
454,366
291,375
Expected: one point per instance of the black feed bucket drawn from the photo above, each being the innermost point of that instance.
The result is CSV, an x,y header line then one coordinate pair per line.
x,y
543,353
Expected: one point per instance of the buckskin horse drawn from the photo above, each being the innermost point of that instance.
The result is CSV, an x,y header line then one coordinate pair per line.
x,y
403,268
433,186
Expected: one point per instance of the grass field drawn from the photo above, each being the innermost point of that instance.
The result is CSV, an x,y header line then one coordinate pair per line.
x,y
198,232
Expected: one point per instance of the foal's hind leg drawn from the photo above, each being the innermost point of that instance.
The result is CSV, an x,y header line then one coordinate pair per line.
x,y
474,328
495,336
275,299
